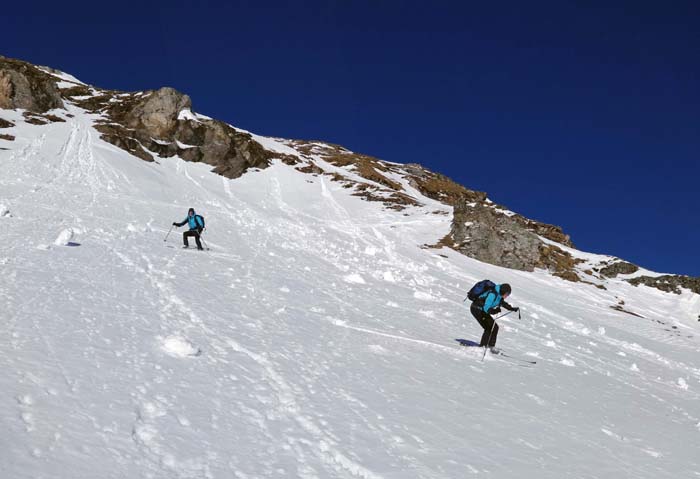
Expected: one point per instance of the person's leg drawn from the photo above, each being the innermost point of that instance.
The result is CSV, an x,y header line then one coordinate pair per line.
x,y
185,235
196,238
494,334
482,318
490,327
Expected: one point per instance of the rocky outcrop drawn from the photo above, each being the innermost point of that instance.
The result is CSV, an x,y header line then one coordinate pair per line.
x,y
489,233
619,267
482,232
669,283
439,187
25,86
161,123
157,113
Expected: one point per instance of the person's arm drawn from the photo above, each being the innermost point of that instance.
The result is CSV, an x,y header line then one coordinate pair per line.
x,y
507,306
181,223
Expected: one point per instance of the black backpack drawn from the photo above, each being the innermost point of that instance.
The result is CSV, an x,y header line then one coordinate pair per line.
x,y
480,288
201,219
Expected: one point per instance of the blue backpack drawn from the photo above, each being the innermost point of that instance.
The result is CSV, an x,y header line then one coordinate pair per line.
x,y
480,288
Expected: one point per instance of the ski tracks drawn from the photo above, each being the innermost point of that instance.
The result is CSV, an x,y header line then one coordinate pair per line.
x,y
322,445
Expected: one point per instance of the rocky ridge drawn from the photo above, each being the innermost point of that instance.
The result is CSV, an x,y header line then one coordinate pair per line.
x,y
161,123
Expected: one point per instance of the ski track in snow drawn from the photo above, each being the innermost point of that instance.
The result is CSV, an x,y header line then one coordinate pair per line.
x,y
316,339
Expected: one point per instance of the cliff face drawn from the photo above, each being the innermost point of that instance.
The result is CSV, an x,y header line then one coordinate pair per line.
x,y
24,86
161,123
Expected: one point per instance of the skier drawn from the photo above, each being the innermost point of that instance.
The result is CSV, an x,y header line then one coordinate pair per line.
x,y
487,303
196,223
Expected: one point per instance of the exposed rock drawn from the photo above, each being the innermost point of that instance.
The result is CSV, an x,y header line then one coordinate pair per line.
x,y
482,233
551,232
311,168
23,85
560,262
41,119
7,137
668,283
379,187
161,123
439,187
157,114
620,267
6,124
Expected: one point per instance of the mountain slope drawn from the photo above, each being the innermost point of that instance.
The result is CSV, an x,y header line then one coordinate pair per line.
x,y
315,339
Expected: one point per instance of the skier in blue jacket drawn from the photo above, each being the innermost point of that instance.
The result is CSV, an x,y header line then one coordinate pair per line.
x,y
196,224
489,303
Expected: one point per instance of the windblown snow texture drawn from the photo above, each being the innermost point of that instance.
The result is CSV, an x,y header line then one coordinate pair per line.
x,y
315,340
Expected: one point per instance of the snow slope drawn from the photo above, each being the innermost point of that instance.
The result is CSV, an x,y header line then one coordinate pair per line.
x,y
316,339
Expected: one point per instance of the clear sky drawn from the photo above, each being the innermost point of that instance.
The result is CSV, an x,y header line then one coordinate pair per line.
x,y
580,114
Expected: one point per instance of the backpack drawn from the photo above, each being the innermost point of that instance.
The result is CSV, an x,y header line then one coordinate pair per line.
x,y
199,219
480,288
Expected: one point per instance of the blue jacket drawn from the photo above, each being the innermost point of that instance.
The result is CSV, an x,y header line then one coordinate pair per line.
x,y
195,222
493,299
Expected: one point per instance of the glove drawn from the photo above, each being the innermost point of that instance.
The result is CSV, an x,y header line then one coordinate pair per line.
x,y
174,224
495,310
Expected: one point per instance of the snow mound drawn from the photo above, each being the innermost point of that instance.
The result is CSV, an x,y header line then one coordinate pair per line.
x,y
354,278
4,211
64,237
179,347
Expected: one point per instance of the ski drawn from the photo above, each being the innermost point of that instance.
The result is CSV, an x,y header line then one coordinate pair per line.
x,y
186,249
526,361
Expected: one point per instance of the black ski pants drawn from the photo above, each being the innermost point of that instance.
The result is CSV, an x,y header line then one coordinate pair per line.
x,y
194,233
487,322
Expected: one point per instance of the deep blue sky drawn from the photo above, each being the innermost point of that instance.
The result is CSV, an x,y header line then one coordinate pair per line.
x,y
574,114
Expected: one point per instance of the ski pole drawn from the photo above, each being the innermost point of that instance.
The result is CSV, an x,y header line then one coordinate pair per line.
x,y
166,236
491,333
201,236
505,314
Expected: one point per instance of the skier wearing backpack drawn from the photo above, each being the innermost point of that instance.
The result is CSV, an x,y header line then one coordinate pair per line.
x,y
196,224
487,300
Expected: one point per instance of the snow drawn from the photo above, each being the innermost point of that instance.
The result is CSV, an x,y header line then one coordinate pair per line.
x,y
63,76
316,339
186,114
64,237
184,146
273,144
65,84
179,347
